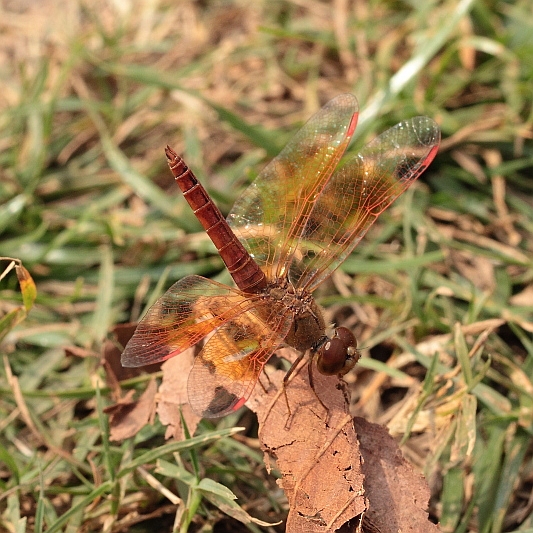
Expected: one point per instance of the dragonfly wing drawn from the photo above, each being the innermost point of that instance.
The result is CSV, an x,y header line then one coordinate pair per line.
x,y
226,370
358,192
275,207
185,314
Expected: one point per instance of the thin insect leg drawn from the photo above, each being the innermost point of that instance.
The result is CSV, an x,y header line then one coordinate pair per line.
x,y
268,377
264,374
312,385
286,378
262,386
293,370
344,388
293,367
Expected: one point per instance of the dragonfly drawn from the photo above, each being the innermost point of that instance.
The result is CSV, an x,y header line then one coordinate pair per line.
x,y
289,230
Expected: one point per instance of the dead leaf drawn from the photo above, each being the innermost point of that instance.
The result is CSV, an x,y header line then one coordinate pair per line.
x,y
127,418
111,352
336,480
173,396
316,452
113,349
397,494
29,294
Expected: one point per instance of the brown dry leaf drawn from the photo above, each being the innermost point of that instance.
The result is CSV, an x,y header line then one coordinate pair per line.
x,y
336,480
127,418
112,351
173,396
316,452
397,494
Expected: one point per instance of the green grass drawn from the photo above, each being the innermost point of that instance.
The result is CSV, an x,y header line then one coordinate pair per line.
x,y
439,293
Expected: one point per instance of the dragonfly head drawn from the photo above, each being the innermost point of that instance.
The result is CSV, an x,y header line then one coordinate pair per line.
x,y
339,354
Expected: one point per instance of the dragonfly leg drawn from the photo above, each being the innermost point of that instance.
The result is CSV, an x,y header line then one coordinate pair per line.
x,y
286,379
312,385
265,389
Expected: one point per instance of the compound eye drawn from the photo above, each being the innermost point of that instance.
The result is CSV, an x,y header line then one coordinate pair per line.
x,y
339,354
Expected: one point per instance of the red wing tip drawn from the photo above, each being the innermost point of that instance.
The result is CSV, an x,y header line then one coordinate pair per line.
x,y
216,411
131,360
431,156
353,124
239,404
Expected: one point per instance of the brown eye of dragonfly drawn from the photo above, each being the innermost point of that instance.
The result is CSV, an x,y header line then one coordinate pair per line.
x,y
339,354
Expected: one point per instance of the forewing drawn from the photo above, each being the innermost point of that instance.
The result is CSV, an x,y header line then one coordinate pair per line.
x,y
271,214
226,370
358,192
185,314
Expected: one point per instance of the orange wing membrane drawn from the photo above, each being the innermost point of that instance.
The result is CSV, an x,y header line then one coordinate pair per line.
x,y
302,216
191,309
295,224
227,369
274,211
